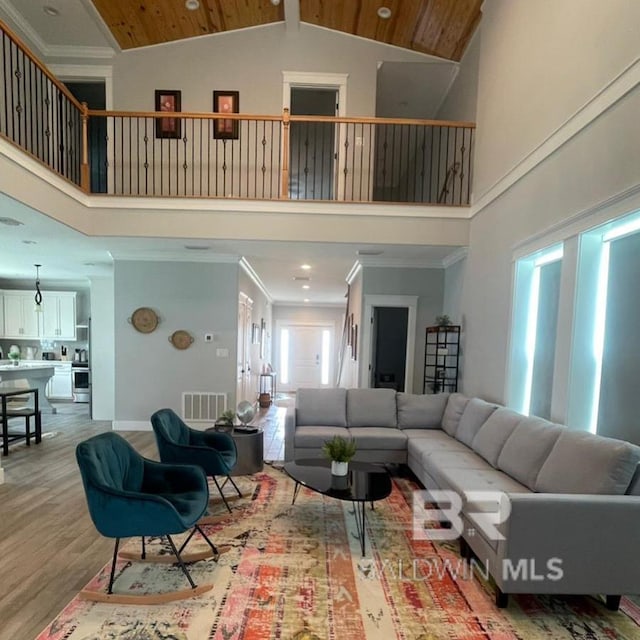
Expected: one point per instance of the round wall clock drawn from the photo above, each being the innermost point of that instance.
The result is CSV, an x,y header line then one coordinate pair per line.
x,y
144,320
181,339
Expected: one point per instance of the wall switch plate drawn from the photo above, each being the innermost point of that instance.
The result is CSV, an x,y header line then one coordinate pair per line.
x,y
208,337
222,353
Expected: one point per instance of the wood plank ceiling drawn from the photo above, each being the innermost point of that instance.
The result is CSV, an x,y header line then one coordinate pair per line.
x,y
438,27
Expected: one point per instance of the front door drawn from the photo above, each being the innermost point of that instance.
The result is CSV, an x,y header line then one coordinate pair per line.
x,y
305,356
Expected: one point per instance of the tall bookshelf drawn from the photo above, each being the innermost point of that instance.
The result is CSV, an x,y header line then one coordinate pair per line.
x,y
441,359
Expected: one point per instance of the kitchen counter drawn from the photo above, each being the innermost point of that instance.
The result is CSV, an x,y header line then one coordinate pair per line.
x,y
36,374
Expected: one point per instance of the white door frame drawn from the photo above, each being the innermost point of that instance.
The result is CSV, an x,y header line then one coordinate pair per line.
x,y
324,325
314,79
372,301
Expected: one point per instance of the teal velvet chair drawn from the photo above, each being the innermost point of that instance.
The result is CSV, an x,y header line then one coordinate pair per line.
x,y
129,495
213,451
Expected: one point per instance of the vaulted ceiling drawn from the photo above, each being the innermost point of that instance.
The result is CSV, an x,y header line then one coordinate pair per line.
x,y
438,27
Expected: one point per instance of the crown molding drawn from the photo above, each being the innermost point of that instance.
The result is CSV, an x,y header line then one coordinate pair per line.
x,y
90,53
311,305
251,273
23,26
598,104
455,256
175,255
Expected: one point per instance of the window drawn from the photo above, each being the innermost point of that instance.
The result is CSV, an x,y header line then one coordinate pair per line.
x,y
533,332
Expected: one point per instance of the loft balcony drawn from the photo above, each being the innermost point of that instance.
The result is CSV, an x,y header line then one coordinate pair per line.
x,y
283,157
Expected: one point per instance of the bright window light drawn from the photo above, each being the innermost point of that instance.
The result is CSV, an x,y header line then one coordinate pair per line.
x,y
284,356
530,340
549,257
624,229
326,339
598,332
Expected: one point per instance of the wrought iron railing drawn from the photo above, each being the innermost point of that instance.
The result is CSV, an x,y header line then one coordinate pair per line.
x,y
229,155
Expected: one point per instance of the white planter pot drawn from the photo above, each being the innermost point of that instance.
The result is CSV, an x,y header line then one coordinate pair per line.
x,y
339,468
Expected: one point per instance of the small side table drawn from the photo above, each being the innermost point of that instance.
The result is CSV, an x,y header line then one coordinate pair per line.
x,y
250,448
267,389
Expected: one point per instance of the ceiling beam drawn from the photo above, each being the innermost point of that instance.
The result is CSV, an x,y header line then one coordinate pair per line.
x,y
292,15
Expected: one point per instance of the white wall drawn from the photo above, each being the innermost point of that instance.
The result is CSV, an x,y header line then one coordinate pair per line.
x,y
150,372
452,297
251,62
583,181
102,348
540,62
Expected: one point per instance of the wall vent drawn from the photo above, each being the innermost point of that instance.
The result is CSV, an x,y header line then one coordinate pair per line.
x,y
202,406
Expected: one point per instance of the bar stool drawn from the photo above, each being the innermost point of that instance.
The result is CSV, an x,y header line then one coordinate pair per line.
x,y
20,412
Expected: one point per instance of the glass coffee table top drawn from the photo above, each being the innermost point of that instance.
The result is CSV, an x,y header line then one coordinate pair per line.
x,y
365,482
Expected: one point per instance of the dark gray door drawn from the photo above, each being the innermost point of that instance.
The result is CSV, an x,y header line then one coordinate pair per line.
x,y
312,145
93,93
390,347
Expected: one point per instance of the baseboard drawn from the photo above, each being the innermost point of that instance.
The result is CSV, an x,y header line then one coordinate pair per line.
x,y
131,425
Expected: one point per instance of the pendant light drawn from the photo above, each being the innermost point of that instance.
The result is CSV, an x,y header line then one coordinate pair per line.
x,y
38,296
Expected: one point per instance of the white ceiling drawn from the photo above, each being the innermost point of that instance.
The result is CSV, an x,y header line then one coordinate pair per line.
x,y
68,256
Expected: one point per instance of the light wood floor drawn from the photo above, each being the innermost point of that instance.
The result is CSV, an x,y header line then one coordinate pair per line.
x,y
50,548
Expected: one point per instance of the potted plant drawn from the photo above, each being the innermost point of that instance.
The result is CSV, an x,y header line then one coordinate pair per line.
x,y
443,321
225,421
340,451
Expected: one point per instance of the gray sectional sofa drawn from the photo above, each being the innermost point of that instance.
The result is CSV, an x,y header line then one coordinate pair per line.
x,y
565,504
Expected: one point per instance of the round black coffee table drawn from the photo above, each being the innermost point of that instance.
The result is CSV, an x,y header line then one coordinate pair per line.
x,y
365,482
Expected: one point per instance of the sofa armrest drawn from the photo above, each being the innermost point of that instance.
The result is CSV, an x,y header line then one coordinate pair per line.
x,y
289,433
594,537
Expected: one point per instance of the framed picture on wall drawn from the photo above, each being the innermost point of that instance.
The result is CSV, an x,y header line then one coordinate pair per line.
x,y
226,102
168,100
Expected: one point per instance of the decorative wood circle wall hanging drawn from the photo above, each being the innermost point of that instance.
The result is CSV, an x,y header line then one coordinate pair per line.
x,y
181,339
144,320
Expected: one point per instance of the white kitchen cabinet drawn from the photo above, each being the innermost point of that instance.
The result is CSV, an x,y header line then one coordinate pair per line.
x,y
20,317
60,385
58,315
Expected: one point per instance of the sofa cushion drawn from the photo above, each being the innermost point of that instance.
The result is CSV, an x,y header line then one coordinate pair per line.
x,y
453,412
475,414
492,435
371,408
420,411
321,407
527,448
315,436
379,438
436,462
582,462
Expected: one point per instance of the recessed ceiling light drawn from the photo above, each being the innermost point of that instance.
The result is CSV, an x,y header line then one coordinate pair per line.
x,y
11,222
369,252
306,286
275,3
51,11
192,5
29,242
307,300
89,264
306,267
197,247
384,13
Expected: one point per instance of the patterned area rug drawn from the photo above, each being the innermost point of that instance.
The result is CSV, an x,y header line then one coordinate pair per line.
x,y
296,572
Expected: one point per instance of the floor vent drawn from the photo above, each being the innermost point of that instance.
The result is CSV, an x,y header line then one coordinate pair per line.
x,y
202,406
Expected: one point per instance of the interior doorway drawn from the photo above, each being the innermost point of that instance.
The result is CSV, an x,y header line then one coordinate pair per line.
x,y
389,355
372,338
312,144
94,94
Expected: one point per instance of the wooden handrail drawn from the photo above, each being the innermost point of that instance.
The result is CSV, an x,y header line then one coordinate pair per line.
x,y
23,47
